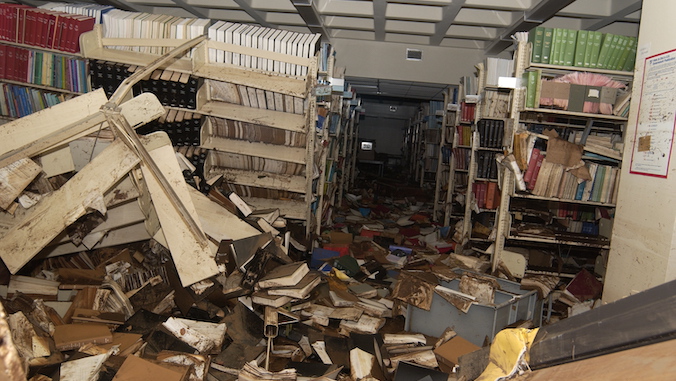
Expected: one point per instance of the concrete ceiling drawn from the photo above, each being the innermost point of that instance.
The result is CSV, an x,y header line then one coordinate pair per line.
x,y
478,25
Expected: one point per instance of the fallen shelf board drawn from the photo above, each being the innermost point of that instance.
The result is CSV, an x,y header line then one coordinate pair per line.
x,y
55,212
192,258
215,218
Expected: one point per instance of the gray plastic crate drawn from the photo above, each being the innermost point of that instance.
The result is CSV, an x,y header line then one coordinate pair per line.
x,y
511,304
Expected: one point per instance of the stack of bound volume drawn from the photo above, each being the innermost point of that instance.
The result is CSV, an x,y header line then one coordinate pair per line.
x,y
43,28
285,283
589,49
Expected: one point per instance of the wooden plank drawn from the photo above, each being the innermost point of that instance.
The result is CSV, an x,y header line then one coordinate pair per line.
x,y
59,126
192,256
261,179
120,236
270,118
21,132
14,178
650,362
648,316
268,151
53,213
287,208
122,215
57,162
91,46
269,82
215,217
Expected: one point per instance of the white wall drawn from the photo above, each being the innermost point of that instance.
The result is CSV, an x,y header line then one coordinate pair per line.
x,y
642,253
370,59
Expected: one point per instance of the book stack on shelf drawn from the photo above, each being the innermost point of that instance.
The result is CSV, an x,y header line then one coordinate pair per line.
x,y
43,28
172,88
19,101
43,68
583,49
183,127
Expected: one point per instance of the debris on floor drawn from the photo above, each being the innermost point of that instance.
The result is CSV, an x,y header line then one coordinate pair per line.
x,y
114,274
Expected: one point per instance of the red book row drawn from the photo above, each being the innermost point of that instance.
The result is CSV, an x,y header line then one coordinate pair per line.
x,y
43,28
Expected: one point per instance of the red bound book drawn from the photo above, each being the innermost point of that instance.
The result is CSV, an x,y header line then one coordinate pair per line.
x,y
10,71
481,197
528,176
81,24
61,31
30,27
490,195
25,56
536,171
3,22
42,28
3,61
51,29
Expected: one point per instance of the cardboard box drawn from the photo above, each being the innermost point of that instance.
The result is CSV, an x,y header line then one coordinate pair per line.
x,y
73,336
449,352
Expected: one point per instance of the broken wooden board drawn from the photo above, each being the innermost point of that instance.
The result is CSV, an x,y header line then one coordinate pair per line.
x,y
52,128
193,258
218,222
649,362
203,336
14,178
51,216
118,236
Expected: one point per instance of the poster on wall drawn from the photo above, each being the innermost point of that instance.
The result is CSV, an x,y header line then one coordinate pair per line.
x,y
651,152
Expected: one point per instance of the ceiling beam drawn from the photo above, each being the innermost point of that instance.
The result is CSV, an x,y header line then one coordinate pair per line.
x,y
448,15
542,12
379,9
597,24
191,9
255,14
314,21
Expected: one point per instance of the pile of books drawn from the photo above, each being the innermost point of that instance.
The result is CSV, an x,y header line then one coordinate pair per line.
x,y
285,283
43,28
592,49
552,180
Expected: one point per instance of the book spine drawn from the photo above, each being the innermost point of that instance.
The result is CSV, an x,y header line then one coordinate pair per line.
x,y
580,48
557,38
547,45
538,36
569,52
605,50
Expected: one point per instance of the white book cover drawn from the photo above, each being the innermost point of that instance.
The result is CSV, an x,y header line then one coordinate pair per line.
x,y
247,42
286,49
149,31
272,46
295,51
263,44
181,28
138,28
309,50
212,33
283,42
220,36
253,98
199,28
128,30
227,56
302,51
279,41
237,40
254,44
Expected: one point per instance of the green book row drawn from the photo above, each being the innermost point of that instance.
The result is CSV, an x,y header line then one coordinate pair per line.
x,y
582,48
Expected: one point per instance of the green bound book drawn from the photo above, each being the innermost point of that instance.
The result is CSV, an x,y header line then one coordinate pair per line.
x,y
547,45
580,48
557,43
596,48
615,56
536,37
569,51
631,42
531,85
605,50
631,59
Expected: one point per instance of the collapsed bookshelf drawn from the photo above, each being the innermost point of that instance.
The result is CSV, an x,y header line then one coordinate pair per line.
x,y
257,125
